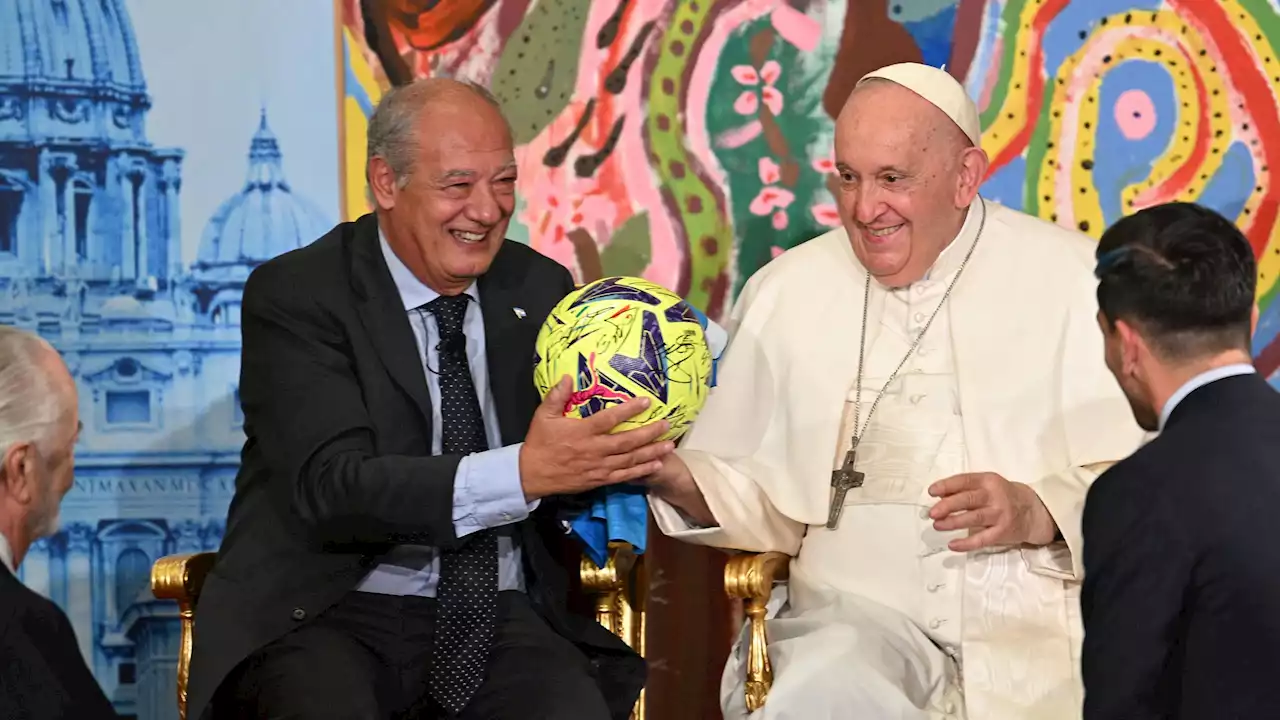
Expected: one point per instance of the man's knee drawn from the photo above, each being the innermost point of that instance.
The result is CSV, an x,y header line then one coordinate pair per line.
x,y
848,672
539,693
317,674
830,693
536,674
570,697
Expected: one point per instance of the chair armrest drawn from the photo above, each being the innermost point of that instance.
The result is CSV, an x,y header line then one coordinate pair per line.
x,y
621,593
608,585
750,577
181,578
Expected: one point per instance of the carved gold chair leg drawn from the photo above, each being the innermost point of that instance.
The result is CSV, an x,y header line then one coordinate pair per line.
x,y
180,578
620,589
750,578
608,584
635,604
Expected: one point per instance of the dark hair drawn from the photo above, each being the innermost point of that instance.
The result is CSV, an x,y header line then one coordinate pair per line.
x,y
1183,276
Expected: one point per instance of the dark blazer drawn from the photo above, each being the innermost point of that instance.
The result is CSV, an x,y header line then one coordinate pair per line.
x,y
43,676
337,466
1181,595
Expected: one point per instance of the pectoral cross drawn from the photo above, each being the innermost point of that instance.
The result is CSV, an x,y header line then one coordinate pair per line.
x,y
842,481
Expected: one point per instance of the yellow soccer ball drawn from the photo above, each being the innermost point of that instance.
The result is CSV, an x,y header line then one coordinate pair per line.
x,y
625,337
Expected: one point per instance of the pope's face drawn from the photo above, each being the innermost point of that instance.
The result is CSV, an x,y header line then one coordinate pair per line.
x,y
902,193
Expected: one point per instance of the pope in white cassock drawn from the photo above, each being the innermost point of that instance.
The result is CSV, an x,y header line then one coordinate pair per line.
x,y
942,350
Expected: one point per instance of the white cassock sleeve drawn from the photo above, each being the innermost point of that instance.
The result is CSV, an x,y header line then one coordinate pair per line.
x,y
1099,431
732,442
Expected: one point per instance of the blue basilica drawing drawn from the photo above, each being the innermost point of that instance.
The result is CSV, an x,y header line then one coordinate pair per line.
x,y
91,258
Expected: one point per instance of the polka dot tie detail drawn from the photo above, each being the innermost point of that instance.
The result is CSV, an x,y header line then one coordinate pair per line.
x,y
468,590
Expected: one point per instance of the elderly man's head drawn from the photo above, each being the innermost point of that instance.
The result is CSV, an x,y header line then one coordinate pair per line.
x,y
39,425
907,176
442,172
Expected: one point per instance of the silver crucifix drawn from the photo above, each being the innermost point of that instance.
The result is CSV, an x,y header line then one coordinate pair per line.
x,y
842,481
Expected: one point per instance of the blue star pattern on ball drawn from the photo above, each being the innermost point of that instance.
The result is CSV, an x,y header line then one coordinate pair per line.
x,y
622,337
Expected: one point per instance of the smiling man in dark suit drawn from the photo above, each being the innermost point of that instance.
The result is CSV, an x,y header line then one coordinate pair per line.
x,y
1181,595
384,553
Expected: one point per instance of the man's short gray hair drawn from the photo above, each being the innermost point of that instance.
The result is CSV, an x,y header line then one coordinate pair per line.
x,y
391,132
30,406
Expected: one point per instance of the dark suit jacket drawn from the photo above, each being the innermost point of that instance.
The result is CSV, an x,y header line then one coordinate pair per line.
x,y
1181,596
337,466
43,676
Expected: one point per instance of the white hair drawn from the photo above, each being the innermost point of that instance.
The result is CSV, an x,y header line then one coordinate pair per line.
x,y
30,406
392,134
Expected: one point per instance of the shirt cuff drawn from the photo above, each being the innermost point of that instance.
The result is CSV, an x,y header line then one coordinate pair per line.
x,y
487,492
673,523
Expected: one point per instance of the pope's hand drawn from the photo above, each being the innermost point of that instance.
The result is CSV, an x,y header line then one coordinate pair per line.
x,y
994,510
674,483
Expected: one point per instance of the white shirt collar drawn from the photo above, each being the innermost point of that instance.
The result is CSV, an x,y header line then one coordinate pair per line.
x,y
413,292
1200,381
6,554
953,254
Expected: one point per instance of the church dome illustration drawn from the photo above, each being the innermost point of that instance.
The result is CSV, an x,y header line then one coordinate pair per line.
x,y
91,258
74,60
261,221
89,208
264,219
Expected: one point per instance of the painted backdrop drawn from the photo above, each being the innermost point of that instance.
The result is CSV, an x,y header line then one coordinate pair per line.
x,y
152,153
689,141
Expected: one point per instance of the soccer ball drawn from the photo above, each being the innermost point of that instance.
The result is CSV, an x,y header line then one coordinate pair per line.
x,y
625,337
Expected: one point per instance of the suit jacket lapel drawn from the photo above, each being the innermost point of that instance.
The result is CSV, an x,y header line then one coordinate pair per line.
x,y
384,316
507,338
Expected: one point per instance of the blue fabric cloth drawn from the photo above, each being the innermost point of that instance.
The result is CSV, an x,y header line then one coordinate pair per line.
x,y
621,512
618,512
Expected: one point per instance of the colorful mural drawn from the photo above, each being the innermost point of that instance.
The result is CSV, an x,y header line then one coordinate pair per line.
x,y
689,141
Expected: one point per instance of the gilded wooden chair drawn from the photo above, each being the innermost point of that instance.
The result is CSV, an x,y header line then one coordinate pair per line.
x,y
619,588
750,577
180,578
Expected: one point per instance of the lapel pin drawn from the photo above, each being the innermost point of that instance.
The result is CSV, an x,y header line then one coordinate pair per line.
x,y
519,312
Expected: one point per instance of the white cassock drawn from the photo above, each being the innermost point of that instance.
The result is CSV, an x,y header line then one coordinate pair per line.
x,y
881,620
